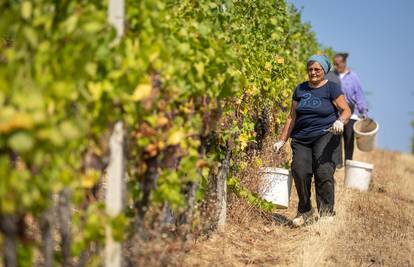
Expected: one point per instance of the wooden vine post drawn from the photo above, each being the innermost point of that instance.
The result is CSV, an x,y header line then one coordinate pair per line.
x,y
221,192
116,171
114,193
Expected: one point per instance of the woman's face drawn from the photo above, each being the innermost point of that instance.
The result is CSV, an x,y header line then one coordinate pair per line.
x,y
340,64
315,72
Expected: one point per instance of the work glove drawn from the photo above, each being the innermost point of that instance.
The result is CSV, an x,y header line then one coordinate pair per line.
x,y
278,146
338,127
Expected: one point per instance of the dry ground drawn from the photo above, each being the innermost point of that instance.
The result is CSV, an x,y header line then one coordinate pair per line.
x,y
374,228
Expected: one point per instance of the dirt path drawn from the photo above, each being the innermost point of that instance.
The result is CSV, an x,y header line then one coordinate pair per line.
x,y
374,228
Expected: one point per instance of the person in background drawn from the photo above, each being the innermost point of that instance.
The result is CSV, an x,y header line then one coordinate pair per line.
x,y
334,77
351,86
318,114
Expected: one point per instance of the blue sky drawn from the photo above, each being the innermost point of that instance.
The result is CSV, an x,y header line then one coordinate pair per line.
x,y
379,35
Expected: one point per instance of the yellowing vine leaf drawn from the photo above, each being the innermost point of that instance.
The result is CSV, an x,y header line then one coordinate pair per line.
x,y
70,23
141,92
243,139
14,121
89,179
280,60
95,89
175,137
200,68
152,150
26,9
162,121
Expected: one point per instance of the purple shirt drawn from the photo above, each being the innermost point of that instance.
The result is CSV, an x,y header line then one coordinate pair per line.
x,y
351,86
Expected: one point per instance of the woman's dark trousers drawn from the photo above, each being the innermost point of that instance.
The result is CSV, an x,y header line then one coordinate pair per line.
x,y
317,159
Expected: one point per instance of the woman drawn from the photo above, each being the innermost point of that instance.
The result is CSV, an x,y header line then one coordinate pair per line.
x,y
351,86
317,118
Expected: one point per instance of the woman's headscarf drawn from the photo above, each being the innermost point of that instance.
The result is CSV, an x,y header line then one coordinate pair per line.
x,y
322,60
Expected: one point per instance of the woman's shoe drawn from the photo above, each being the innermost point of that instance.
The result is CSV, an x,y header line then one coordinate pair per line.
x,y
304,218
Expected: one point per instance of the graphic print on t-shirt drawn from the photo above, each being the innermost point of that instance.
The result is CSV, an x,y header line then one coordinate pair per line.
x,y
309,101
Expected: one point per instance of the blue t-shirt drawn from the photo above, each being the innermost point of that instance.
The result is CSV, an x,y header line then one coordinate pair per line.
x,y
315,111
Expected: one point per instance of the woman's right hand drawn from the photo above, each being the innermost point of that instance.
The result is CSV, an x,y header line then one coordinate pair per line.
x,y
338,127
278,145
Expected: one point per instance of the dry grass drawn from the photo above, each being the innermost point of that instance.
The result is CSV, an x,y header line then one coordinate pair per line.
x,y
374,228
379,224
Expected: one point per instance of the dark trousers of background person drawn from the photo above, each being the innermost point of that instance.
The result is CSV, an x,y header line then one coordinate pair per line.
x,y
349,139
315,159
348,146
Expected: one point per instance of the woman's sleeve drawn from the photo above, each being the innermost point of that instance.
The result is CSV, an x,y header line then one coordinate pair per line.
x,y
295,95
358,96
335,91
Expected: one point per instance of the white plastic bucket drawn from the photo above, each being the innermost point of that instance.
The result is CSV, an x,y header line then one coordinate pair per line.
x,y
358,174
366,134
276,186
